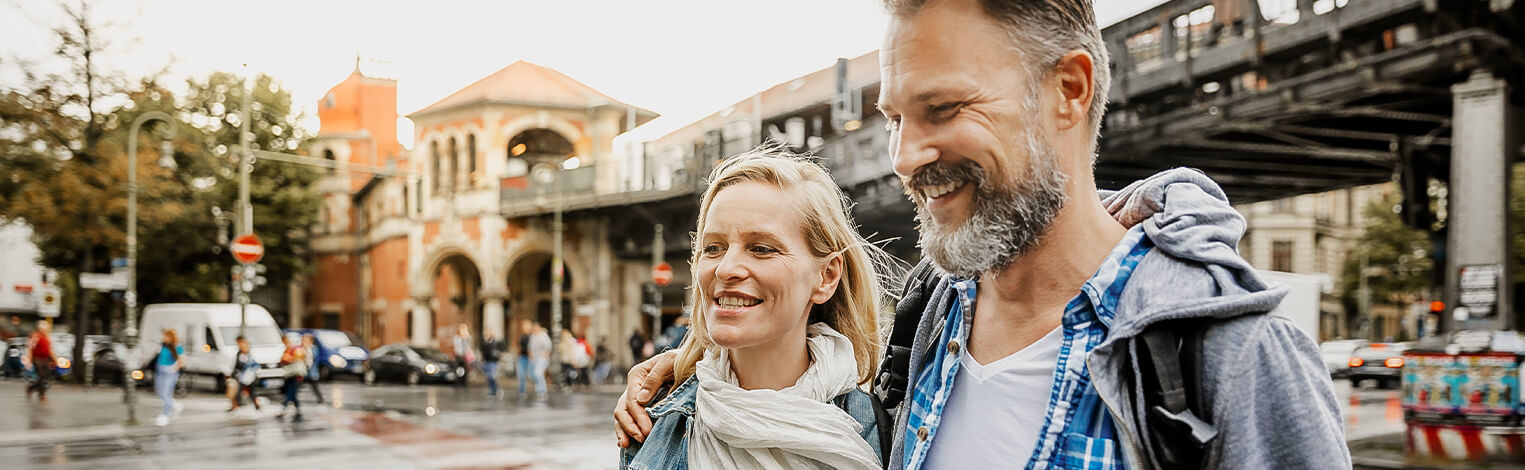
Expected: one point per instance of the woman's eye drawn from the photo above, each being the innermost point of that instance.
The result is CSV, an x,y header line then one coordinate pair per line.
x,y
764,249
711,249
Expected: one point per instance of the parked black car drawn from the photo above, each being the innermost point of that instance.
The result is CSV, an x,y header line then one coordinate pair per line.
x,y
411,365
108,365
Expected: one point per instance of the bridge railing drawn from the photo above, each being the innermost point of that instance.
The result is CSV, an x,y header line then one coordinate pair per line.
x,y
1208,43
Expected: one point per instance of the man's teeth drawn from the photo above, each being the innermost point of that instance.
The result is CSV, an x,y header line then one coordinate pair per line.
x,y
938,191
736,302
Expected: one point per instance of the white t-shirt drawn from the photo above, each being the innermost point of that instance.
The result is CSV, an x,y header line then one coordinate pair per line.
x,y
995,410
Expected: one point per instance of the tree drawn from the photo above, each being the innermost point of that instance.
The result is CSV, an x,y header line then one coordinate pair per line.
x,y
185,252
1396,257
63,169
63,152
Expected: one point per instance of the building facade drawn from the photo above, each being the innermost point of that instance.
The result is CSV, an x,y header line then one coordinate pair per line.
x,y
458,229
1315,234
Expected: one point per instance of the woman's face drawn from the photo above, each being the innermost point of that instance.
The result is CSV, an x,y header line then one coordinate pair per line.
x,y
166,337
757,276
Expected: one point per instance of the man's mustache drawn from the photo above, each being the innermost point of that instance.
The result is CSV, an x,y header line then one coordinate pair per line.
x,y
940,173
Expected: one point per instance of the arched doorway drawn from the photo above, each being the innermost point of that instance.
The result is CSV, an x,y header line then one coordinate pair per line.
x,y
457,296
536,146
529,290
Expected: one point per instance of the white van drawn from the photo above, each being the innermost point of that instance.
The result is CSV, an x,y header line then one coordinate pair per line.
x,y
209,333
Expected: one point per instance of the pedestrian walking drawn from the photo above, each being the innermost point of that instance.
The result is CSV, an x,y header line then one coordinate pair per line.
x,y
603,361
492,352
314,367
167,375
573,359
245,373
525,369
540,359
465,359
293,368
39,360
637,344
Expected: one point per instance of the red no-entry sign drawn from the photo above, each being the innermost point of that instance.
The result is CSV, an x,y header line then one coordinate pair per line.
x,y
247,249
661,274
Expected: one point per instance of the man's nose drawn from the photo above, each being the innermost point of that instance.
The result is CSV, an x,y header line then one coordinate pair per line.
x,y
910,150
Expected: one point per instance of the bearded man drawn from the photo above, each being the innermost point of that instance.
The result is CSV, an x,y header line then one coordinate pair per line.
x,y
1035,340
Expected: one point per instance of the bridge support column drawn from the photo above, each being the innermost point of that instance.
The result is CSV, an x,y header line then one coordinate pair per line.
x,y
492,312
423,322
1477,251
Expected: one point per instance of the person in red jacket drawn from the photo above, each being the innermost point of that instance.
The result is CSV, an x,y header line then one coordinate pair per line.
x,y
40,354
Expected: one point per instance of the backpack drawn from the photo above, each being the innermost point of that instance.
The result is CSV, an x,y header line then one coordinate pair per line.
x,y
1170,357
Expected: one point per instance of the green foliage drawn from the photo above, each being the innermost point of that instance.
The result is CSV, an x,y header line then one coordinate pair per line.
x,y
63,155
1397,257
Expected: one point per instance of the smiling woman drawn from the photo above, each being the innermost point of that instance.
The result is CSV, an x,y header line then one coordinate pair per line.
x,y
785,328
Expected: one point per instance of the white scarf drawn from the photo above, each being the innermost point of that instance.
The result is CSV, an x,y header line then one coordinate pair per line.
x,y
797,427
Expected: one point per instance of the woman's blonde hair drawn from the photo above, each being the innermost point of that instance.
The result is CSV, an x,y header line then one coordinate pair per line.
x,y
829,230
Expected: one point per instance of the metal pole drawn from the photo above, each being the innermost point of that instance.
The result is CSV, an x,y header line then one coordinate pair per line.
x,y
246,212
1365,293
658,252
556,276
131,297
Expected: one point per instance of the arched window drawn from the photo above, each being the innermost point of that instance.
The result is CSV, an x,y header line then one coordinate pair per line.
x,y
537,146
452,173
329,155
471,157
434,167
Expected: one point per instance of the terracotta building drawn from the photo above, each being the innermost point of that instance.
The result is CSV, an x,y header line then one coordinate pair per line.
x,y
456,230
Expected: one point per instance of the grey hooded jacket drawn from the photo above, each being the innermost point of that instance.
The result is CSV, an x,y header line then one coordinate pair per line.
x,y
1268,392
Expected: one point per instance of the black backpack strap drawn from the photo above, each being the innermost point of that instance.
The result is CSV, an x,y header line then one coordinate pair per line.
x,y
1178,436
890,383
886,427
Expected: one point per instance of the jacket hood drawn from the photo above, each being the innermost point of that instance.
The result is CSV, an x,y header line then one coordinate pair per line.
x,y
1189,220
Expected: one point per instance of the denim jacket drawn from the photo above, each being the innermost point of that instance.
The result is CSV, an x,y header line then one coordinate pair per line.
x,y
667,445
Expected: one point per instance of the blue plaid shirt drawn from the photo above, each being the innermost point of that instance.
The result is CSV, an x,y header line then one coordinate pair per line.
x,y
1077,432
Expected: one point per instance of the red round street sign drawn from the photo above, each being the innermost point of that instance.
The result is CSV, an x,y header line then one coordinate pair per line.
x,y
247,249
661,274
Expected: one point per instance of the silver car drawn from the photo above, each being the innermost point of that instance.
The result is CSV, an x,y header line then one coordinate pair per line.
x,y
1337,354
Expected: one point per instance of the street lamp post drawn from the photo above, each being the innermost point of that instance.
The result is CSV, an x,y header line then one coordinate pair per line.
x,y
546,174
166,158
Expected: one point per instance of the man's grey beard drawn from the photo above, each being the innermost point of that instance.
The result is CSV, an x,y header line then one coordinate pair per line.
x,y
1007,220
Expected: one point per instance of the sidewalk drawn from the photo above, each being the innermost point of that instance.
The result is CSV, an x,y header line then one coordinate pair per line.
x,y
74,411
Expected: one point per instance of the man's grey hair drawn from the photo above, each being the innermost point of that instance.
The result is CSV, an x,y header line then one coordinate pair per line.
x,y
1043,31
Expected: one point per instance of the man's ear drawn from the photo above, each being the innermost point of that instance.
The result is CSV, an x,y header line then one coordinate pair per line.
x,y
831,275
1073,78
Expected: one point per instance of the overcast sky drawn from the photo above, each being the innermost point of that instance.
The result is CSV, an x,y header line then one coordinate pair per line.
x,y
681,58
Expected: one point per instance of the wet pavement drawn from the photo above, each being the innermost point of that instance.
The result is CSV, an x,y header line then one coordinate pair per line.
x,y
380,427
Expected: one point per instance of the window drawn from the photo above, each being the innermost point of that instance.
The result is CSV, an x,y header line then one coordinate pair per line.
x,y
209,342
1283,205
410,326
330,320
1281,256
471,157
434,166
329,155
451,167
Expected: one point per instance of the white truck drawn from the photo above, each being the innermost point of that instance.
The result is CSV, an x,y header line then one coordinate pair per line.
x,y
208,332
1304,291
